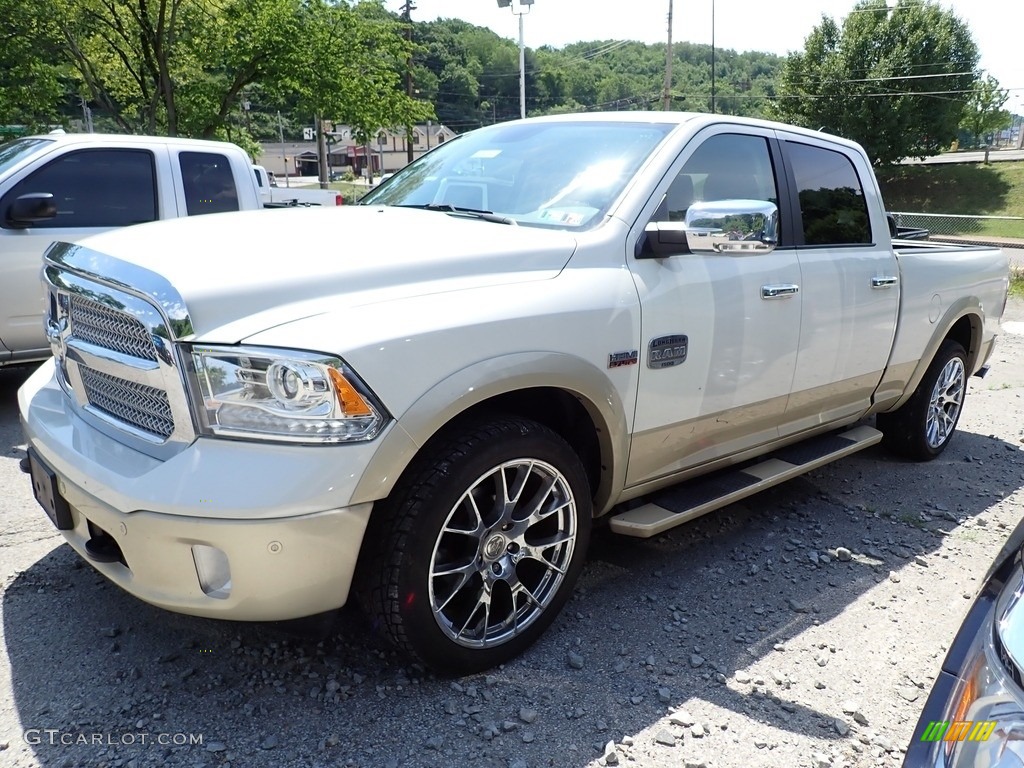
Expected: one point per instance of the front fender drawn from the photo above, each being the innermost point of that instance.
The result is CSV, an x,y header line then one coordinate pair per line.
x,y
487,379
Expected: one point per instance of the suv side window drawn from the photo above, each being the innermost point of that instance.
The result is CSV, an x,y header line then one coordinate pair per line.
x,y
832,200
209,183
727,166
94,188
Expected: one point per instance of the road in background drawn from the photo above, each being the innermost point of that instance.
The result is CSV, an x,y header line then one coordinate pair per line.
x,y
994,156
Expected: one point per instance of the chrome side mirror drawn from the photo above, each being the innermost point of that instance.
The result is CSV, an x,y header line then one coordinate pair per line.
x,y
735,227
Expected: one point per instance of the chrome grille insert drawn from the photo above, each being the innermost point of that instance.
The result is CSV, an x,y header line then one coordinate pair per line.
x,y
138,405
110,328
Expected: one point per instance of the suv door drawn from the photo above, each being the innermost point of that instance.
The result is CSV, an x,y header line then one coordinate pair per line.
x,y
94,190
730,391
849,283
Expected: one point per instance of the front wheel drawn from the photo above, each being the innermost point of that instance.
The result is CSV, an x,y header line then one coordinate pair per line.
x,y
923,426
477,550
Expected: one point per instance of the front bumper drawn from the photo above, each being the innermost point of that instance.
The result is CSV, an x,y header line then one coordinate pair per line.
x,y
280,516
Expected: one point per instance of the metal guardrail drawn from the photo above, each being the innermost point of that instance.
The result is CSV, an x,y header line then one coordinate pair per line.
x,y
961,228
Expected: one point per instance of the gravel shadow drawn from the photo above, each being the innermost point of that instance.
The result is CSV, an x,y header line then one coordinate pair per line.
x,y
655,623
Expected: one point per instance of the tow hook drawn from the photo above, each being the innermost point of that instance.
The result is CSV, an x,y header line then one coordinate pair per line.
x,y
24,466
102,547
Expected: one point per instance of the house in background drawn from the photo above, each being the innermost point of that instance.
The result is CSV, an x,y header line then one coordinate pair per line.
x,y
387,152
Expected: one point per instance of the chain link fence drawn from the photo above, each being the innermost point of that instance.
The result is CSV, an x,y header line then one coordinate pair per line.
x,y
980,230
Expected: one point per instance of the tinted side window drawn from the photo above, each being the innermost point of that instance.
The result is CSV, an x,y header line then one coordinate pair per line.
x,y
724,167
832,200
95,188
209,183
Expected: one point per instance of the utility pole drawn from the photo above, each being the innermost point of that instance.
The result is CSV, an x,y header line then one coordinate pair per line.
x,y
86,115
284,156
666,98
407,10
712,56
321,150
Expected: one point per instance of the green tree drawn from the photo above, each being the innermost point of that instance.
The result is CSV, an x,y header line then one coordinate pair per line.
x,y
890,78
185,67
32,82
983,109
352,60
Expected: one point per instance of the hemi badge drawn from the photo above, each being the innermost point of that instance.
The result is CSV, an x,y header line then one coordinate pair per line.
x,y
619,359
666,351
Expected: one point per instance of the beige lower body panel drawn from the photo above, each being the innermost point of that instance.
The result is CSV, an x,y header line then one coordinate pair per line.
x,y
284,568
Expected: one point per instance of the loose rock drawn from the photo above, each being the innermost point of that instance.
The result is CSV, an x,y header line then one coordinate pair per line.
x,y
665,738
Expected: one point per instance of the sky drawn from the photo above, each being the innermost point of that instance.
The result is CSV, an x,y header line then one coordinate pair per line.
x,y
742,25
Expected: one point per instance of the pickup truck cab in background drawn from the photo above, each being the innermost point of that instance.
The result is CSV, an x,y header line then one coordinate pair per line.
x,y
636,316
70,186
272,192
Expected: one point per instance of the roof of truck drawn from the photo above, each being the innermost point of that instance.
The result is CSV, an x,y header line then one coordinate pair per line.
x,y
121,139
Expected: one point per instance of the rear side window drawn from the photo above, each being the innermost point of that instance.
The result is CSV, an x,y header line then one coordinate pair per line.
x,y
832,202
209,183
94,188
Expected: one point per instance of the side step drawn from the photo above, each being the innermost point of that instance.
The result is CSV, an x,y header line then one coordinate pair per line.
x,y
682,503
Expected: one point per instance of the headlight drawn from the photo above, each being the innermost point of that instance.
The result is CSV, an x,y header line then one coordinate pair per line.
x,y
281,394
986,722
983,721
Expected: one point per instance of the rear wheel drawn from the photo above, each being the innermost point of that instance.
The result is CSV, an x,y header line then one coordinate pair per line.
x,y
923,426
476,552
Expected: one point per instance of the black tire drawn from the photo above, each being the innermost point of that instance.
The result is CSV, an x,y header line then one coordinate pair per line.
x,y
923,426
481,615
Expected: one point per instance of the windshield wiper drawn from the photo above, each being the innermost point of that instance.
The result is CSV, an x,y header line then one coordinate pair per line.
x,y
497,218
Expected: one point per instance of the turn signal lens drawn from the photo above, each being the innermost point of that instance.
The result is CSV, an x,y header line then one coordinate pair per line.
x,y
352,403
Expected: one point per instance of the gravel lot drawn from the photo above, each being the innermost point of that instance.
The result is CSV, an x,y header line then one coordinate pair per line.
x,y
800,628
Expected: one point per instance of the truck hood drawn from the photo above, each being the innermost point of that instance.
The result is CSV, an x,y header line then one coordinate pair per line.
x,y
241,273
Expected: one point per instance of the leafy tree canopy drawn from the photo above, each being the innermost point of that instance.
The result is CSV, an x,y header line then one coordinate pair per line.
x,y
188,67
892,78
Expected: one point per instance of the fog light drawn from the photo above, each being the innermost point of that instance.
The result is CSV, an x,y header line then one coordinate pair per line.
x,y
213,571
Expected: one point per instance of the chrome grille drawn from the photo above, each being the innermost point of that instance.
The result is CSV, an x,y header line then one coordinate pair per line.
x,y
110,328
141,406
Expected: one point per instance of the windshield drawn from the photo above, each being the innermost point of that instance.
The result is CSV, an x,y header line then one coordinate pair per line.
x,y
15,151
564,175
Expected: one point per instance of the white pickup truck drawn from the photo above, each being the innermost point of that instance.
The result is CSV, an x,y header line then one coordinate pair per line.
x,y
271,192
70,186
627,317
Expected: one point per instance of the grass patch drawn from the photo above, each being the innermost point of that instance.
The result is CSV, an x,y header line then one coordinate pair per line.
x,y
1017,282
351,192
959,188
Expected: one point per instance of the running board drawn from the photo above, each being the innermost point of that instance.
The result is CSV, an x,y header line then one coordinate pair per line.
x,y
682,503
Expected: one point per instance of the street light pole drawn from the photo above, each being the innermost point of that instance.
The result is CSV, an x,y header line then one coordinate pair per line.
x,y
523,7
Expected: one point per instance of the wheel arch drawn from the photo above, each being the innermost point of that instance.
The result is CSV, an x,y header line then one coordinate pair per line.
x,y
963,323
567,394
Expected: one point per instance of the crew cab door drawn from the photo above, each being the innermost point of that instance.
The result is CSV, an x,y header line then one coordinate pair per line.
x,y
739,313
94,190
849,281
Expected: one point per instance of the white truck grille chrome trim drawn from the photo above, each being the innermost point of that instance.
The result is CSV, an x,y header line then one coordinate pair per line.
x,y
112,327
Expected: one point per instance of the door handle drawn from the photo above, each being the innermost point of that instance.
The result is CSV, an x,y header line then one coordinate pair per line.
x,y
883,282
783,291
